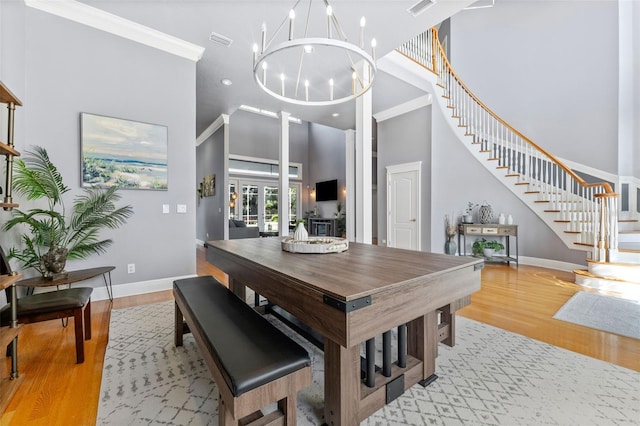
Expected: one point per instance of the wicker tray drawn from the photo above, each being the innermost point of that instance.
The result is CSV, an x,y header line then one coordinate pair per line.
x,y
316,245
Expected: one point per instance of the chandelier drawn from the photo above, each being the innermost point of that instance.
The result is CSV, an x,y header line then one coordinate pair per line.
x,y
313,64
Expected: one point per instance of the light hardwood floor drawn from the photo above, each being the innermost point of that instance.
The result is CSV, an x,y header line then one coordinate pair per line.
x,y
56,391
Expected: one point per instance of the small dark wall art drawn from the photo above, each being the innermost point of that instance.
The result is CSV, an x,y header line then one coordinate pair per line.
x,y
208,186
123,153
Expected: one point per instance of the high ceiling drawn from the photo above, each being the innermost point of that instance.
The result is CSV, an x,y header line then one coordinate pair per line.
x,y
241,21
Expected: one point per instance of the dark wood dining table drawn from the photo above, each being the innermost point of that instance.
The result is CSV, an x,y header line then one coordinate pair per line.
x,y
351,297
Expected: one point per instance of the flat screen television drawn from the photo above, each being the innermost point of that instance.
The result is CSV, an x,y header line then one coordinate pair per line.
x,y
327,190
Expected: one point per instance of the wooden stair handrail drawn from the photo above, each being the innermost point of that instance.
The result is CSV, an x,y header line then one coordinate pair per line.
x,y
608,191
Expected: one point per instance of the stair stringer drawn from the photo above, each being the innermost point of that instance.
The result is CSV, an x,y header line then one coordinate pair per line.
x,y
401,67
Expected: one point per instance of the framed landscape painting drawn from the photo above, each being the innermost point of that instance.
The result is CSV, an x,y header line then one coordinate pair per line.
x,y
123,153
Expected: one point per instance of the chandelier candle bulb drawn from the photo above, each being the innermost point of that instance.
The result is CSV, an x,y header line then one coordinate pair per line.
x,y
264,36
255,53
363,22
331,89
264,73
306,90
329,14
374,43
282,84
353,82
292,16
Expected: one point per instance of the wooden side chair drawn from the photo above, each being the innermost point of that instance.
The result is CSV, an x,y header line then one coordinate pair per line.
x,y
60,304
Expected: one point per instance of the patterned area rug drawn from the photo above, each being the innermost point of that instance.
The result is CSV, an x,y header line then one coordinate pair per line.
x,y
491,377
606,313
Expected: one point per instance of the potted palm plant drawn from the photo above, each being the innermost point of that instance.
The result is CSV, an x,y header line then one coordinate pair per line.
x,y
53,235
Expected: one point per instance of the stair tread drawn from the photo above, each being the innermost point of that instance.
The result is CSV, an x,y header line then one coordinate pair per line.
x,y
630,265
522,183
586,273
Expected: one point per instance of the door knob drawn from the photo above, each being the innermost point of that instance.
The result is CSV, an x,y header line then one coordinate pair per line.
x,y
413,220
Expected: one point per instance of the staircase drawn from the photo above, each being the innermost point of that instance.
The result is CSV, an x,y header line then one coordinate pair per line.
x,y
584,215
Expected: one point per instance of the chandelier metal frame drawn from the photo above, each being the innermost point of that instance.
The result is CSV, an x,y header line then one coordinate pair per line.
x,y
361,79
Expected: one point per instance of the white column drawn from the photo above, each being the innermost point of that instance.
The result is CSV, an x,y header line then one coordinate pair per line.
x,y
283,181
350,202
363,163
225,177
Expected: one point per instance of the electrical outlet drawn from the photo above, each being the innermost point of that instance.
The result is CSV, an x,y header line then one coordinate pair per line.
x,y
131,268
166,209
181,208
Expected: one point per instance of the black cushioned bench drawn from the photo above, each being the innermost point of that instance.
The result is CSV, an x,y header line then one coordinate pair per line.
x,y
253,363
70,302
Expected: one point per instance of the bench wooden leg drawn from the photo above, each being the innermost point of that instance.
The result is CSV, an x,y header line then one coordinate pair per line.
x,y
87,321
289,408
224,416
179,327
78,317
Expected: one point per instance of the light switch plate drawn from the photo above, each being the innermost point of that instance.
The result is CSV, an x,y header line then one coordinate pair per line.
x,y
181,208
166,209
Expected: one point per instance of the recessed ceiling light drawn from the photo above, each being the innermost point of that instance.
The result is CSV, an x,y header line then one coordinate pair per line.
x,y
226,82
335,114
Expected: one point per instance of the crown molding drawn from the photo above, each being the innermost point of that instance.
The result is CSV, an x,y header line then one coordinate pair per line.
x,y
404,108
108,22
213,127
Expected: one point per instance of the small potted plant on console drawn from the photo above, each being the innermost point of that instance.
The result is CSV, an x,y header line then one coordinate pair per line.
x,y
486,248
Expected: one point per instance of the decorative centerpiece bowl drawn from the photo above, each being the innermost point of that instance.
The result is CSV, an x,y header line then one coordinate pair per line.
x,y
317,245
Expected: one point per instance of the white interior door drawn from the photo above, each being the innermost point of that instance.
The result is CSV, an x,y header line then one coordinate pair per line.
x,y
403,206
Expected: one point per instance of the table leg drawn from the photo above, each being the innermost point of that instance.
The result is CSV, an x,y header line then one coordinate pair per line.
x,y
341,384
422,343
238,288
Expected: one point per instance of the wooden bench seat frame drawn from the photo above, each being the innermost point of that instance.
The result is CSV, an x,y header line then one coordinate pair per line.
x,y
244,409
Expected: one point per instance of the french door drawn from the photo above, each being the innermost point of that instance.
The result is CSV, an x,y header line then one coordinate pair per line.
x,y
257,203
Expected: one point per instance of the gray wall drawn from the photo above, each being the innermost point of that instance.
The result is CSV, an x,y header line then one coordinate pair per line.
x,y
69,68
258,136
210,210
405,139
327,162
550,69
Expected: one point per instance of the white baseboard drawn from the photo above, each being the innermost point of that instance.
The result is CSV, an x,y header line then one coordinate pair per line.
x,y
551,264
135,288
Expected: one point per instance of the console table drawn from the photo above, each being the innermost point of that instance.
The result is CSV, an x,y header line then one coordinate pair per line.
x,y
70,278
489,230
323,227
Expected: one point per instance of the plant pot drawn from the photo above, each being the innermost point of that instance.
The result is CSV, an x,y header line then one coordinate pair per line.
x,y
468,218
488,252
53,261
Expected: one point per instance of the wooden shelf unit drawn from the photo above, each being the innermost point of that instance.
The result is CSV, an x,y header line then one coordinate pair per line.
x,y
489,230
9,381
